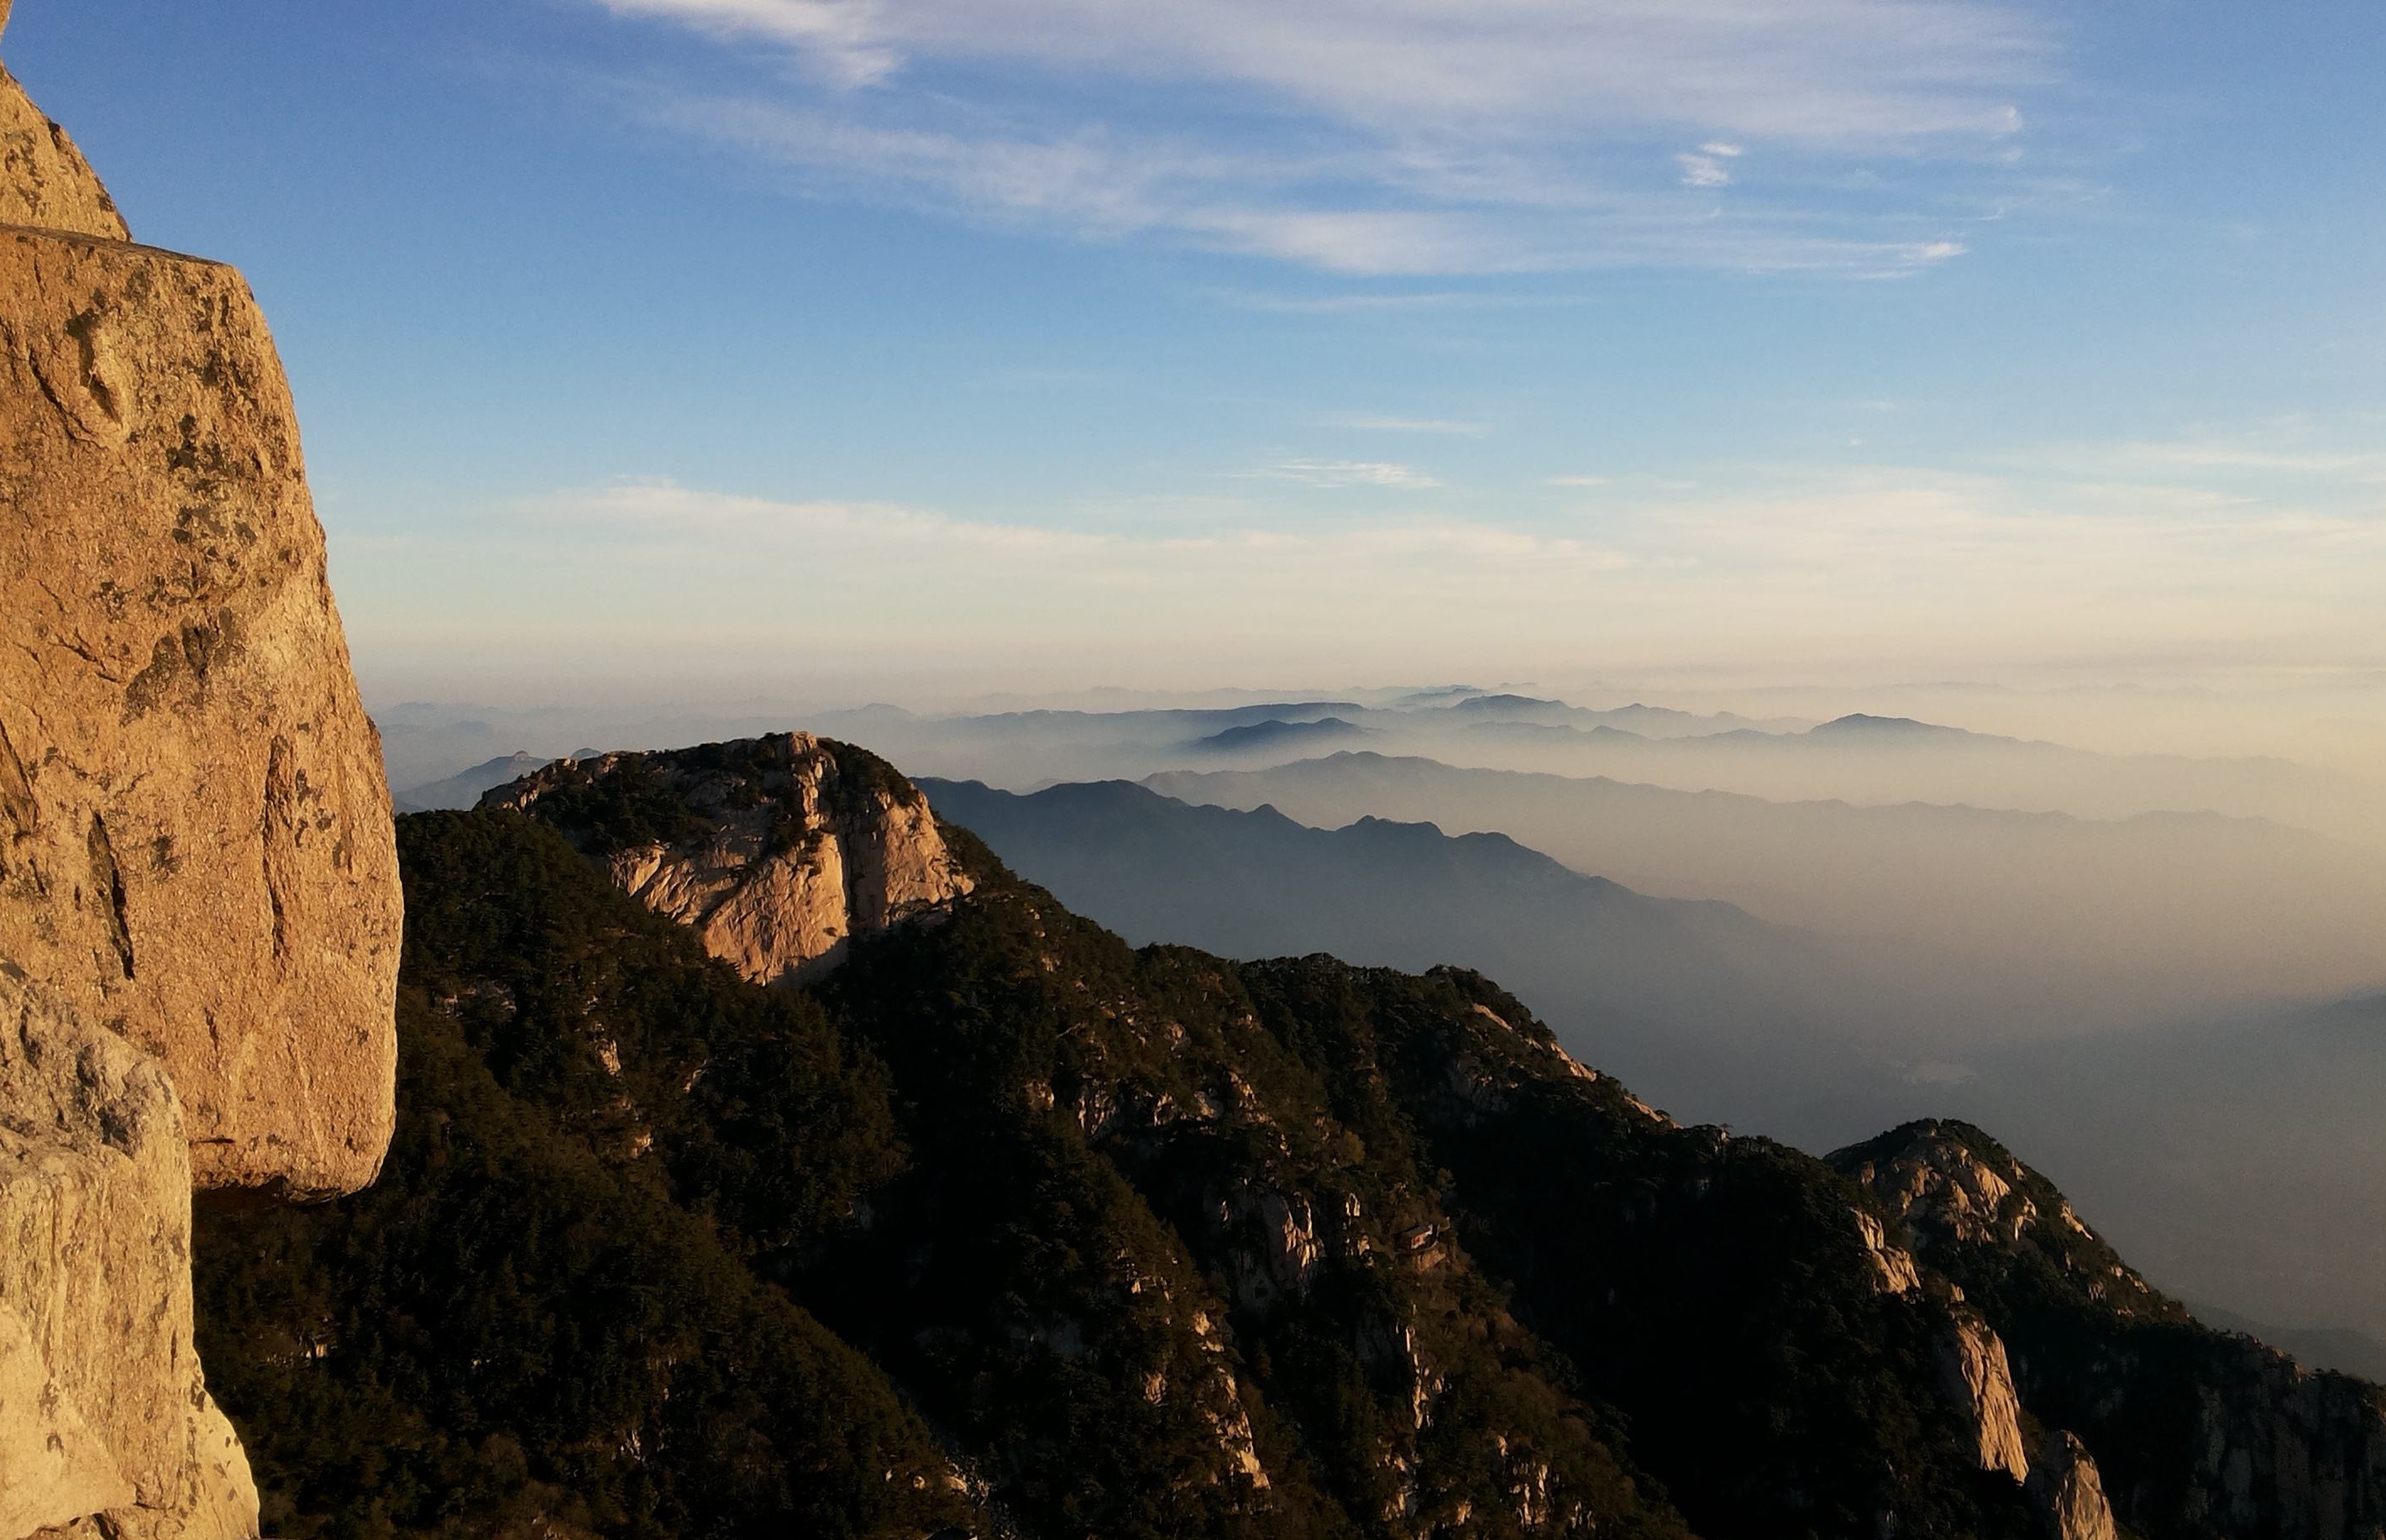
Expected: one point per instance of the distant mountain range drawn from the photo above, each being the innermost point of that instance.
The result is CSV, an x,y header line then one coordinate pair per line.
x,y
1694,997
2082,921
1882,760
1278,736
1864,758
465,788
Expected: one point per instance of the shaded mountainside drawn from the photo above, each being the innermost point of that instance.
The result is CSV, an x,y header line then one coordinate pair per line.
x,y
468,785
1006,1226
2246,1159
1698,1003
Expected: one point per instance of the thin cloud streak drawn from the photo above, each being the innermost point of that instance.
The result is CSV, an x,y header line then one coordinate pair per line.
x,y
1878,73
1389,138
1349,473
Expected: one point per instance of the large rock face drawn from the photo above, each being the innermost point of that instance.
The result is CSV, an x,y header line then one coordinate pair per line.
x,y
44,181
194,839
1974,1374
777,851
198,891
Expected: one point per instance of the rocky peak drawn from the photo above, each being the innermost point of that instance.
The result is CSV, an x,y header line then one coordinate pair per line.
x,y
199,907
1949,1184
777,851
1941,1186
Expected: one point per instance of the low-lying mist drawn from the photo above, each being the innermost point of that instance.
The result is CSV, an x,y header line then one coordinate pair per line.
x,y
2152,968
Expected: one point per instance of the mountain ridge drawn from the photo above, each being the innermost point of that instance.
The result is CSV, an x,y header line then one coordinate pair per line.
x,y
1160,1244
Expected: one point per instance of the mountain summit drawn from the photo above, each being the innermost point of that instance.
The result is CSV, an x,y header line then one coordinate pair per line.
x,y
778,851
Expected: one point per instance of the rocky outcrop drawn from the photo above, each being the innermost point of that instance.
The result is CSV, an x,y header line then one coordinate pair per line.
x,y
44,181
2193,1432
102,1409
1975,1376
777,851
199,909
2280,1450
2069,1493
1936,1178
1893,1265
1279,1251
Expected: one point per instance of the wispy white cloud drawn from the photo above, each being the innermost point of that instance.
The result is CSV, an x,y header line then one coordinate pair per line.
x,y
1702,170
1400,136
1347,473
1829,71
2314,456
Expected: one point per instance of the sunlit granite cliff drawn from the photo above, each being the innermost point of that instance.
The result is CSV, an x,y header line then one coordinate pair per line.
x,y
199,909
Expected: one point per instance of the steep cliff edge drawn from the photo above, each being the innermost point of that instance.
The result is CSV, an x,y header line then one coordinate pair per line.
x,y
777,851
2193,1432
198,898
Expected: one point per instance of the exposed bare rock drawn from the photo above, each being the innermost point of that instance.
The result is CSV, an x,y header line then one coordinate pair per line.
x,y
1938,1184
1974,1375
194,839
2069,1493
777,851
44,181
199,908
1893,1265
2197,1432
1279,1250
102,1409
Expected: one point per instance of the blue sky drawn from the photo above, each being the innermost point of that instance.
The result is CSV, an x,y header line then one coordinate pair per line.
x,y
837,343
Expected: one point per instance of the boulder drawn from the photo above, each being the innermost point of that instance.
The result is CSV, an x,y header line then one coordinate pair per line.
x,y
44,181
